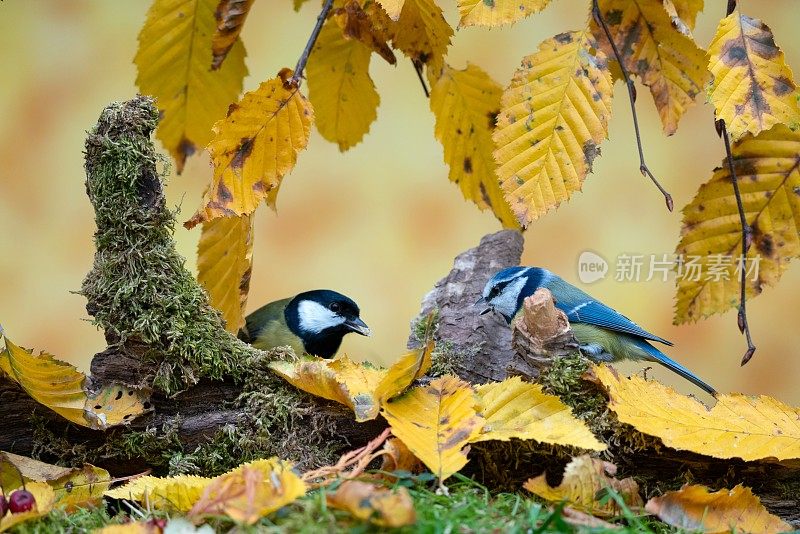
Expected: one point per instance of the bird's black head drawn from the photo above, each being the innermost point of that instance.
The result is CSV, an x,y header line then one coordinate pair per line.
x,y
321,318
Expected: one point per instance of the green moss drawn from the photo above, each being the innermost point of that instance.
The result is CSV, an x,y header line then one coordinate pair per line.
x,y
61,522
138,290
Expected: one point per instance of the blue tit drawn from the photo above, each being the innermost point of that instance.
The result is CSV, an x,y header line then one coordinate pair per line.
x,y
602,333
312,322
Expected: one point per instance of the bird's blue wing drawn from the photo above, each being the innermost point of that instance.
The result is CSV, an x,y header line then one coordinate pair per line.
x,y
580,307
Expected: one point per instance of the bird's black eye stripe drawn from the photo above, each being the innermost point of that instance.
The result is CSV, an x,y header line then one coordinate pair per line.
x,y
334,306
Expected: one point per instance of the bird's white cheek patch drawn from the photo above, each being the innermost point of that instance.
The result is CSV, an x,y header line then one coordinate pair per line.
x,y
506,301
314,317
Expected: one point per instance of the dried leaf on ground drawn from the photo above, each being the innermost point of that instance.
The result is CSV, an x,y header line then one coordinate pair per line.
x,y
696,508
373,503
250,492
398,457
553,117
752,88
437,422
582,487
738,426
73,486
224,265
254,147
178,493
517,409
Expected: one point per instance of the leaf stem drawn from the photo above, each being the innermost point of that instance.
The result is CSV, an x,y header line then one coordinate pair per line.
x,y
418,68
747,239
643,168
312,39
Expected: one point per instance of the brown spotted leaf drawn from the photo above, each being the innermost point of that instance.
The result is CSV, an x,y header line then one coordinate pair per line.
x,y
465,104
373,503
230,15
365,26
436,422
224,263
423,34
497,12
694,508
254,147
667,61
753,88
585,479
173,66
340,88
768,169
553,116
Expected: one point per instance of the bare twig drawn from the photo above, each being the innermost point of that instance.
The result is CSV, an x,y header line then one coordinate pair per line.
x,y
632,97
747,239
418,68
747,231
312,39
358,460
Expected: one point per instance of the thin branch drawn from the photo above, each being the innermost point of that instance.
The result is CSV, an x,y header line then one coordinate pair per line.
x,y
418,68
312,39
632,97
747,239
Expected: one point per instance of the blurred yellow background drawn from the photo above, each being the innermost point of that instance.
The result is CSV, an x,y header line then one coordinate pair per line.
x,y
380,223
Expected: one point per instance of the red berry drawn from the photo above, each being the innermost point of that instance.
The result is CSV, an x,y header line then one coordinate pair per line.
x,y
21,501
3,506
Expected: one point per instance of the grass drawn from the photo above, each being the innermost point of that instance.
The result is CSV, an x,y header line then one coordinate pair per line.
x,y
467,508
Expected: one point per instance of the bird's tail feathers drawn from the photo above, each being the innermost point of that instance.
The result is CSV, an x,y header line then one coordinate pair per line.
x,y
656,355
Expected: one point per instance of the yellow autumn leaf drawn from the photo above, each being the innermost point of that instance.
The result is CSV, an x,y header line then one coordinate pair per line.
x,y
711,237
497,12
403,372
465,104
683,14
366,25
250,492
340,380
738,426
436,422
44,497
667,61
422,34
694,508
59,386
178,493
553,117
133,527
73,486
370,502
173,66
517,409
583,485
254,147
230,16
392,7
339,87
752,87
224,263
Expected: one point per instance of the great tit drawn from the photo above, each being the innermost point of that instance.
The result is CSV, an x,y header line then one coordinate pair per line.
x,y
312,322
602,333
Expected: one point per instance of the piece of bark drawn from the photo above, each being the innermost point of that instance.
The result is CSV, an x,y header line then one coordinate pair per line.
x,y
481,343
539,335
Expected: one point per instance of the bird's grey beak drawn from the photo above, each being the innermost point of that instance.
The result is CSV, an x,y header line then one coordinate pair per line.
x,y
358,326
485,303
